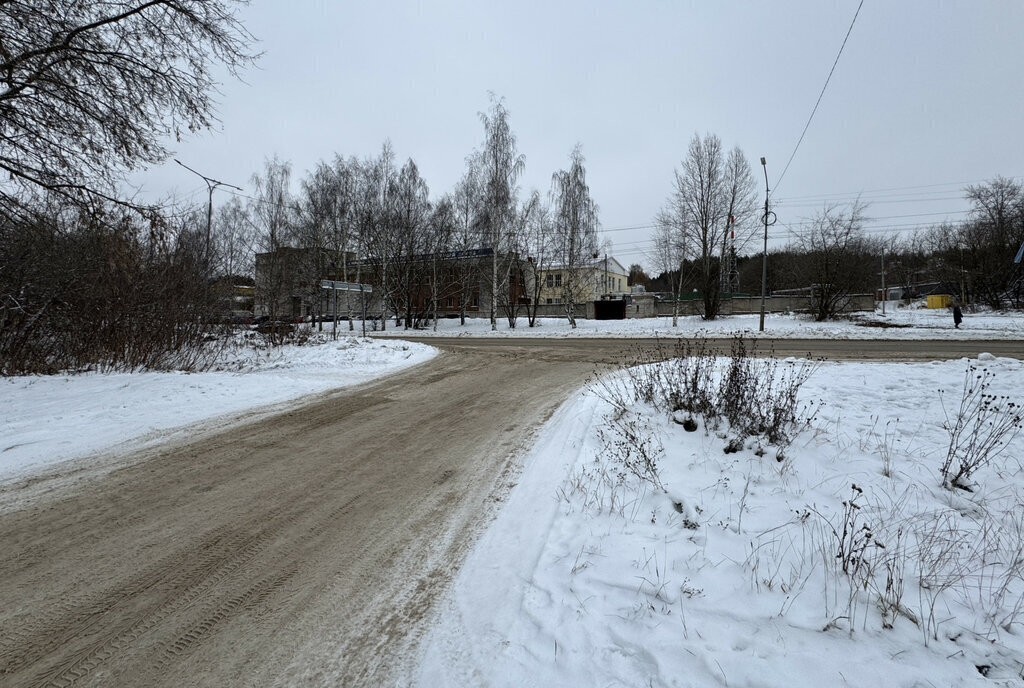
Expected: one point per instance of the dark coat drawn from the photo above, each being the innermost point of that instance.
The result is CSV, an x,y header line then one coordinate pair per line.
x,y
958,316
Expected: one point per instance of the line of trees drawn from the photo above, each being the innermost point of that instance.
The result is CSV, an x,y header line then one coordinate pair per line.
x,y
372,220
834,255
92,279
480,245
972,260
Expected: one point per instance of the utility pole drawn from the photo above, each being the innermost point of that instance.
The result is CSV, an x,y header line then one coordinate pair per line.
x,y
607,289
764,256
211,185
963,291
885,294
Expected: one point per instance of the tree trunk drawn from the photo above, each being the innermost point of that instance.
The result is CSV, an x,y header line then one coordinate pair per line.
x,y
348,294
383,297
494,290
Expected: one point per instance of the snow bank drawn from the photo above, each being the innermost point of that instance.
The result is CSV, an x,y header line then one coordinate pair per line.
x,y
46,420
729,578
903,323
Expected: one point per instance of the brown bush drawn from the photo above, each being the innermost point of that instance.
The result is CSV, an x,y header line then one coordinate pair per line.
x,y
101,289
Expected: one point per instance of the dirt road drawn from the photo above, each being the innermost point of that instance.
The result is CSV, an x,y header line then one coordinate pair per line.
x,y
835,349
302,550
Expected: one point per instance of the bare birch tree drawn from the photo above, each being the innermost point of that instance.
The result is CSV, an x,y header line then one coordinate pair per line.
x,y
710,189
466,238
575,227
410,211
233,240
515,260
670,254
538,241
501,167
376,223
314,211
442,228
273,214
741,211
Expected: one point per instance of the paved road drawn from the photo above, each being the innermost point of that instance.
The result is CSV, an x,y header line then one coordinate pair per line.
x,y
303,550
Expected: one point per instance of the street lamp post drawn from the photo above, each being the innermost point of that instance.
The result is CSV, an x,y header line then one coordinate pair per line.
x,y
211,185
764,255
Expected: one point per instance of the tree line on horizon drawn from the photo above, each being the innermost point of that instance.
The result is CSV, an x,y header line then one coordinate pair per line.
x,y
707,236
357,218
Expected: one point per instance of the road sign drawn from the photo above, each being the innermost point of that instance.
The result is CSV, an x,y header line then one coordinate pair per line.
x,y
346,286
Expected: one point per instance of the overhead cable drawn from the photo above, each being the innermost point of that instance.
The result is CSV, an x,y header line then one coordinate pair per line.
x,y
816,104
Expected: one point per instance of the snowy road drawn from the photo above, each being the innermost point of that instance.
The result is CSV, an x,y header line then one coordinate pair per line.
x,y
304,550
833,349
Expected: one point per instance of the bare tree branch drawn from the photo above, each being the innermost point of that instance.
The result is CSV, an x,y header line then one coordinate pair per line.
x,y
91,90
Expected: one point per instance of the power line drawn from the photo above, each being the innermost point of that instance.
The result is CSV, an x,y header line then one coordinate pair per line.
x,y
877,202
867,198
810,222
797,147
626,229
794,228
645,245
890,188
894,217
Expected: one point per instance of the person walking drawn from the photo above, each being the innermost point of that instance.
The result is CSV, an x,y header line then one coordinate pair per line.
x,y
958,316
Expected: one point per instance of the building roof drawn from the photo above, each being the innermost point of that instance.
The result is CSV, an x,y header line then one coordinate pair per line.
x,y
598,264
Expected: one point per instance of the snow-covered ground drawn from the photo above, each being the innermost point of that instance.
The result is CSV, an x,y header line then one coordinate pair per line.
x,y
592,577
897,323
50,419
586,580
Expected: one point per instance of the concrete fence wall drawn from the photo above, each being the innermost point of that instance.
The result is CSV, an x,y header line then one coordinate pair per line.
x,y
740,305
557,310
737,305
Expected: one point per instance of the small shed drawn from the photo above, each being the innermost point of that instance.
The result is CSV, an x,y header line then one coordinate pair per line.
x,y
938,301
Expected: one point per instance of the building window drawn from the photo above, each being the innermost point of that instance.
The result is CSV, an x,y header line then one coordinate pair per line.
x,y
549,301
558,279
550,281
558,300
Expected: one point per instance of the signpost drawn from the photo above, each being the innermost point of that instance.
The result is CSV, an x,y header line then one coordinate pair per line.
x,y
335,287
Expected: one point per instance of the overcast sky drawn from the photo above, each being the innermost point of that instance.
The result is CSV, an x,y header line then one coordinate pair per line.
x,y
927,97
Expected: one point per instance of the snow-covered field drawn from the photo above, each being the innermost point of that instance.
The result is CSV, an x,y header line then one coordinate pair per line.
x,y
592,577
46,420
897,323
